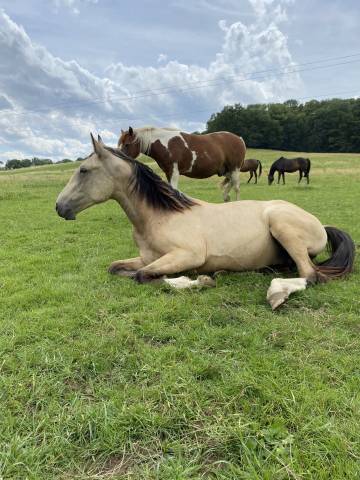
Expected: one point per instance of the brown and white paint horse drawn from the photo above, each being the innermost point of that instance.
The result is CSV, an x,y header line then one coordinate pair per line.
x,y
197,156
175,233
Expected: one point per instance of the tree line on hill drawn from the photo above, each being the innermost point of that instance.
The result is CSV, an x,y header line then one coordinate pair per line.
x,y
33,162
315,126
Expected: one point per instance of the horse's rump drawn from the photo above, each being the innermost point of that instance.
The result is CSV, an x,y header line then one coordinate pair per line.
x,y
212,153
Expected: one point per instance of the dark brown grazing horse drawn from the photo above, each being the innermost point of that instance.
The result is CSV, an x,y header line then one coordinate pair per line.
x,y
251,165
196,156
290,165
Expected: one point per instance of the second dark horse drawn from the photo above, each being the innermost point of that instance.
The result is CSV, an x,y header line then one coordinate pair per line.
x,y
290,165
251,165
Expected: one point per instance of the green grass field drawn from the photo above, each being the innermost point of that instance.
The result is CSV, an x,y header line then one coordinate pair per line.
x,y
102,378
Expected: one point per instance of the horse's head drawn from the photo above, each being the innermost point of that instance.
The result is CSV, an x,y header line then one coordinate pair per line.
x,y
128,143
270,178
93,182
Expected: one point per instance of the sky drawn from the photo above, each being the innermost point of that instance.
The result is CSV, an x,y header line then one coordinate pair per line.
x,y
68,67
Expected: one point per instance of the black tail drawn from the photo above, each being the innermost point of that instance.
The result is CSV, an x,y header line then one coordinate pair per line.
x,y
342,258
260,168
308,166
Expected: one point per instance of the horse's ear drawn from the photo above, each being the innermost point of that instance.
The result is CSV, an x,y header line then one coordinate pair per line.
x,y
122,131
98,146
100,140
131,131
93,141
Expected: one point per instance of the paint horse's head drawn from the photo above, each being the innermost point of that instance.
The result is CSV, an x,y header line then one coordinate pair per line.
x,y
93,182
128,143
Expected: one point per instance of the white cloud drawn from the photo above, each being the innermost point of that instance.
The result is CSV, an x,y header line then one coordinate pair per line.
x,y
5,103
162,58
58,102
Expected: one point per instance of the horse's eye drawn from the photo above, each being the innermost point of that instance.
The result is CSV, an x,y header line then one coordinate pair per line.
x,y
83,170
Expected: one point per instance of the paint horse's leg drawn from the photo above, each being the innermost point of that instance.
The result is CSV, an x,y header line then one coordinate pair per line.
x,y
174,179
173,262
235,182
226,184
126,268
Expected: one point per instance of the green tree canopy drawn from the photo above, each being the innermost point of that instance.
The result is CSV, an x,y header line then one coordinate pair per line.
x,y
316,126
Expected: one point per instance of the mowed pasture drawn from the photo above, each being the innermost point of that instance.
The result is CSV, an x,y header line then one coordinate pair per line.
x,y
102,378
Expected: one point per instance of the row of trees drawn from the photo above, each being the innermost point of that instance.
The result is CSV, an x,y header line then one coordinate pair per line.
x,y
316,126
26,162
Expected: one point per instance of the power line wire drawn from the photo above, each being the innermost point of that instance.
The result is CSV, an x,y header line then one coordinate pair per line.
x,y
174,115
206,84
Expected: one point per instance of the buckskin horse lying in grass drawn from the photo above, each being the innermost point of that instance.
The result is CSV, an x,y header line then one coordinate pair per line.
x,y
175,233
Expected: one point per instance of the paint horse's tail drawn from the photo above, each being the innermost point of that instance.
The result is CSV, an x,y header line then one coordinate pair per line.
x,y
342,258
260,168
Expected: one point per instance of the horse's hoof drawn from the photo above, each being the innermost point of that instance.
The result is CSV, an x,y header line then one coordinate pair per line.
x,y
276,299
206,281
113,269
144,277
121,272
116,269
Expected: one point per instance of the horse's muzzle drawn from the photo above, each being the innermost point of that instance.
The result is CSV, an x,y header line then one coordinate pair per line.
x,y
64,211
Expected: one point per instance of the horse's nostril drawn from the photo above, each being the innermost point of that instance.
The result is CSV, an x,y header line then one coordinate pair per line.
x,y
56,207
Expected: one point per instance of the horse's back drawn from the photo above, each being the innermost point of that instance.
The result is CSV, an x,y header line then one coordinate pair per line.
x,y
249,164
294,164
233,147
216,153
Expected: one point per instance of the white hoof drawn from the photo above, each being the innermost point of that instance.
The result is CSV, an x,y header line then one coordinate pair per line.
x,y
186,282
206,281
281,288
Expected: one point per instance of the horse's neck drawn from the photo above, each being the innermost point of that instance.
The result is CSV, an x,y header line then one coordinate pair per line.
x,y
145,139
136,211
149,137
273,169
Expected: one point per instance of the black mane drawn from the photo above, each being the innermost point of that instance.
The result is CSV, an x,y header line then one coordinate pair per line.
x,y
151,188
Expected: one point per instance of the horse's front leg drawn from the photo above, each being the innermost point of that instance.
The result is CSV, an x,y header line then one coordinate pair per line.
x,y
226,184
174,177
126,268
173,262
235,182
